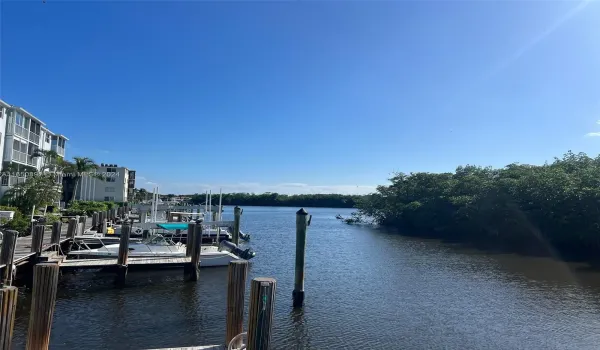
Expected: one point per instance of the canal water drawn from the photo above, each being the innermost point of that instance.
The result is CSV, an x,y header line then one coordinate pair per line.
x,y
365,289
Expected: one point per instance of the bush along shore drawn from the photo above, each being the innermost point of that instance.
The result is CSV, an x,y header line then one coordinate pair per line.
x,y
552,209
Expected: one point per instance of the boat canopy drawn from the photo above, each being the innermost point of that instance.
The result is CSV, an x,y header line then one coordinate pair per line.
x,y
173,226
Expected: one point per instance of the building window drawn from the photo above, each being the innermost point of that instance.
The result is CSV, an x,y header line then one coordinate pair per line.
x,y
47,138
111,170
109,199
111,179
4,180
109,189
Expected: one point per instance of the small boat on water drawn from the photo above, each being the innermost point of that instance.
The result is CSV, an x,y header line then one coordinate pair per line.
x,y
159,246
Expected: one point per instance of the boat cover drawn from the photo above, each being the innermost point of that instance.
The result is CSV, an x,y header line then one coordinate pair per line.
x,y
174,226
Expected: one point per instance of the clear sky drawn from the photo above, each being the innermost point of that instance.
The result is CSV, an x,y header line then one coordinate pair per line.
x,y
305,96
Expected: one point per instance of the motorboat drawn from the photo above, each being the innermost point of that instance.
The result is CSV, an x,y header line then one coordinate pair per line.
x,y
159,246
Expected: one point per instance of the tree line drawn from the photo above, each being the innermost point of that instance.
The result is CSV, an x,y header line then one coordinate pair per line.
x,y
282,200
549,209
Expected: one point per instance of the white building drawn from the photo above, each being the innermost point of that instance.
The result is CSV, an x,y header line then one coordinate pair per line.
x,y
116,185
21,135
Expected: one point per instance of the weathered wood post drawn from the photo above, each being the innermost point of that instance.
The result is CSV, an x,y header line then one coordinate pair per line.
x,y
45,281
114,215
37,239
260,313
94,220
81,226
8,306
7,256
104,224
236,291
191,270
101,218
189,240
72,228
302,222
237,215
123,254
55,236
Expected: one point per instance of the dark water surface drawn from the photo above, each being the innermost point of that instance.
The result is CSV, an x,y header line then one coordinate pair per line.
x,y
365,289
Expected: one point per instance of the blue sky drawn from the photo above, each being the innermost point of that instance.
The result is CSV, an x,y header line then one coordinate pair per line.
x,y
306,96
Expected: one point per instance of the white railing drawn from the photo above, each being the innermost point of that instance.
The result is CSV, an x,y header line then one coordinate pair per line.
x,y
33,137
19,156
60,151
21,131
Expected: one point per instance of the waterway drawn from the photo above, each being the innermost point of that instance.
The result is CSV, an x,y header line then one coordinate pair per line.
x,y
365,289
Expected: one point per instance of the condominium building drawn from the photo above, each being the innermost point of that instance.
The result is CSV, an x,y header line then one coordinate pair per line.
x,y
21,135
110,183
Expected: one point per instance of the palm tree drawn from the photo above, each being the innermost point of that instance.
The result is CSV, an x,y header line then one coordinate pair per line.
x,y
77,168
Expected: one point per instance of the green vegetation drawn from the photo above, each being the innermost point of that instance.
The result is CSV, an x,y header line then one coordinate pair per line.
x,y
548,209
88,207
282,200
19,222
38,191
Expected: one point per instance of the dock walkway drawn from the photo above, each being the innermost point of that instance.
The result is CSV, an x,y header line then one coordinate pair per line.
x,y
23,248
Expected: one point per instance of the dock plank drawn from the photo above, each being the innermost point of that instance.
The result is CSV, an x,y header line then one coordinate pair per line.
x,y
207,347
100,263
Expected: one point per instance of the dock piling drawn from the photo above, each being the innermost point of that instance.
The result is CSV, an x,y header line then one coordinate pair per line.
x,y
260,314
7,254
189,244
123,254
94,220
101,218
236,291
8,307
72,228
302,222
55,237
81,226
37,239
191,270
237,215
45,281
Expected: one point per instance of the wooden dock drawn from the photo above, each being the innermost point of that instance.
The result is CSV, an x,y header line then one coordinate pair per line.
x,y
23,247
100,263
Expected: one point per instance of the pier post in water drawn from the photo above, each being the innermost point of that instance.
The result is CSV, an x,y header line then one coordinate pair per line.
x,y
123,254
189,241
7,256
37,239
260,313
82,222
236,291
45,281
8,306
237,215
191,270
302,222
72,228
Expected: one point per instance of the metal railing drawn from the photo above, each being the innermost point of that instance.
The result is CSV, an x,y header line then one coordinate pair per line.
x,y
21,131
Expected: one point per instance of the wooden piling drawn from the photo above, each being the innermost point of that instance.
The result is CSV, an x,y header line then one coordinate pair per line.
x,y
236,291
260,313
94,220
7,256
81,226
55,237
8,307
191,270
45,280
123,254
101,218
237,215
37,238
104,224
72,228
190,239
302,222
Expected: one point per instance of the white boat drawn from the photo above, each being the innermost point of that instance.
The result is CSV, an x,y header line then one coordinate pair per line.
x,y
158,246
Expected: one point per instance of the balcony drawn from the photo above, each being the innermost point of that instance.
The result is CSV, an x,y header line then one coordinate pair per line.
x,y
21,131
35,138
19,157
11,180
59,150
